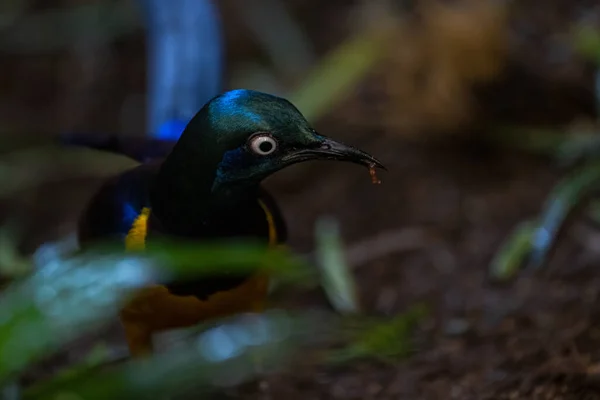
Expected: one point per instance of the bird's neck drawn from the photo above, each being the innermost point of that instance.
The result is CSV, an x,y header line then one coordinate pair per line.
x,y
184,199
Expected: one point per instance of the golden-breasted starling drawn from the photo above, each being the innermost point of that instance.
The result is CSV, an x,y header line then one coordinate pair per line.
x,y
208,187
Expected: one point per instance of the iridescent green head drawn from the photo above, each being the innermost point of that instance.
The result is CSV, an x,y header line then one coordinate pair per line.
x,y
242,136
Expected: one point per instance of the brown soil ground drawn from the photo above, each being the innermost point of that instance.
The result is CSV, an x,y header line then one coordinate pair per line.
x,y
535,338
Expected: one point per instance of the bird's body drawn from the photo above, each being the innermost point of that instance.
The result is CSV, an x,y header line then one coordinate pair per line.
x,y
122,210
208,188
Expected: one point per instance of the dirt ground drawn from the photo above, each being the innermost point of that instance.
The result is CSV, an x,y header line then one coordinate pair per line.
x,y
534,338
537,337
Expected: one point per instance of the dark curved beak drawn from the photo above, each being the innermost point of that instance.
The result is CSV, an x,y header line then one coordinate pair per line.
x,y
328,149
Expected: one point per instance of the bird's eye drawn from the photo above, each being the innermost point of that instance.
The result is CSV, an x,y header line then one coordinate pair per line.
x,y
263,144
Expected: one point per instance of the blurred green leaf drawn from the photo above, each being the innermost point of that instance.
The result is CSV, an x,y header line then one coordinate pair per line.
x,y
337,280
222,356
509,259
534,240
587,42
67,298
62,301
385,340
565,197
339,72
213,257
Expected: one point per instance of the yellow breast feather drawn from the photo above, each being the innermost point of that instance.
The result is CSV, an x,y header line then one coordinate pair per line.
x,y
136,237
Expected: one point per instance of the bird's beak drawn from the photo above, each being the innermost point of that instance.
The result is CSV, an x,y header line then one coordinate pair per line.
x,y
328,149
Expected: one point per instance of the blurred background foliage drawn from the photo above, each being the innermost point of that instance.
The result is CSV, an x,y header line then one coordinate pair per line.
x,y
477,107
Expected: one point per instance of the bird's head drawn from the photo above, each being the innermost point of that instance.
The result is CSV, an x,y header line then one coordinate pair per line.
x,y
235,141
243,136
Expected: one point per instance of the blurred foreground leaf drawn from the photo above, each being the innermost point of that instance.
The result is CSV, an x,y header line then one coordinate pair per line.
x,y
222,356
69,298
193,259
61,302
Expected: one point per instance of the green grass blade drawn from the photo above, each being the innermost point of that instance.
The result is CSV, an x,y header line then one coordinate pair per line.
x,y
561,202
509,259
192,259
338,72
385,340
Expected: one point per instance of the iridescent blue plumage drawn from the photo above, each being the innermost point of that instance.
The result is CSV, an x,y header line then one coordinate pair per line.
x,y
231,103
232,160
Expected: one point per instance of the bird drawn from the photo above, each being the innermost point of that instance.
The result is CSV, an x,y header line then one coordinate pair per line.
x,y
208,187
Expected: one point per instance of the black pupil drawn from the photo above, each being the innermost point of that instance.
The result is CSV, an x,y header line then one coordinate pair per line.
x,y
265,146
